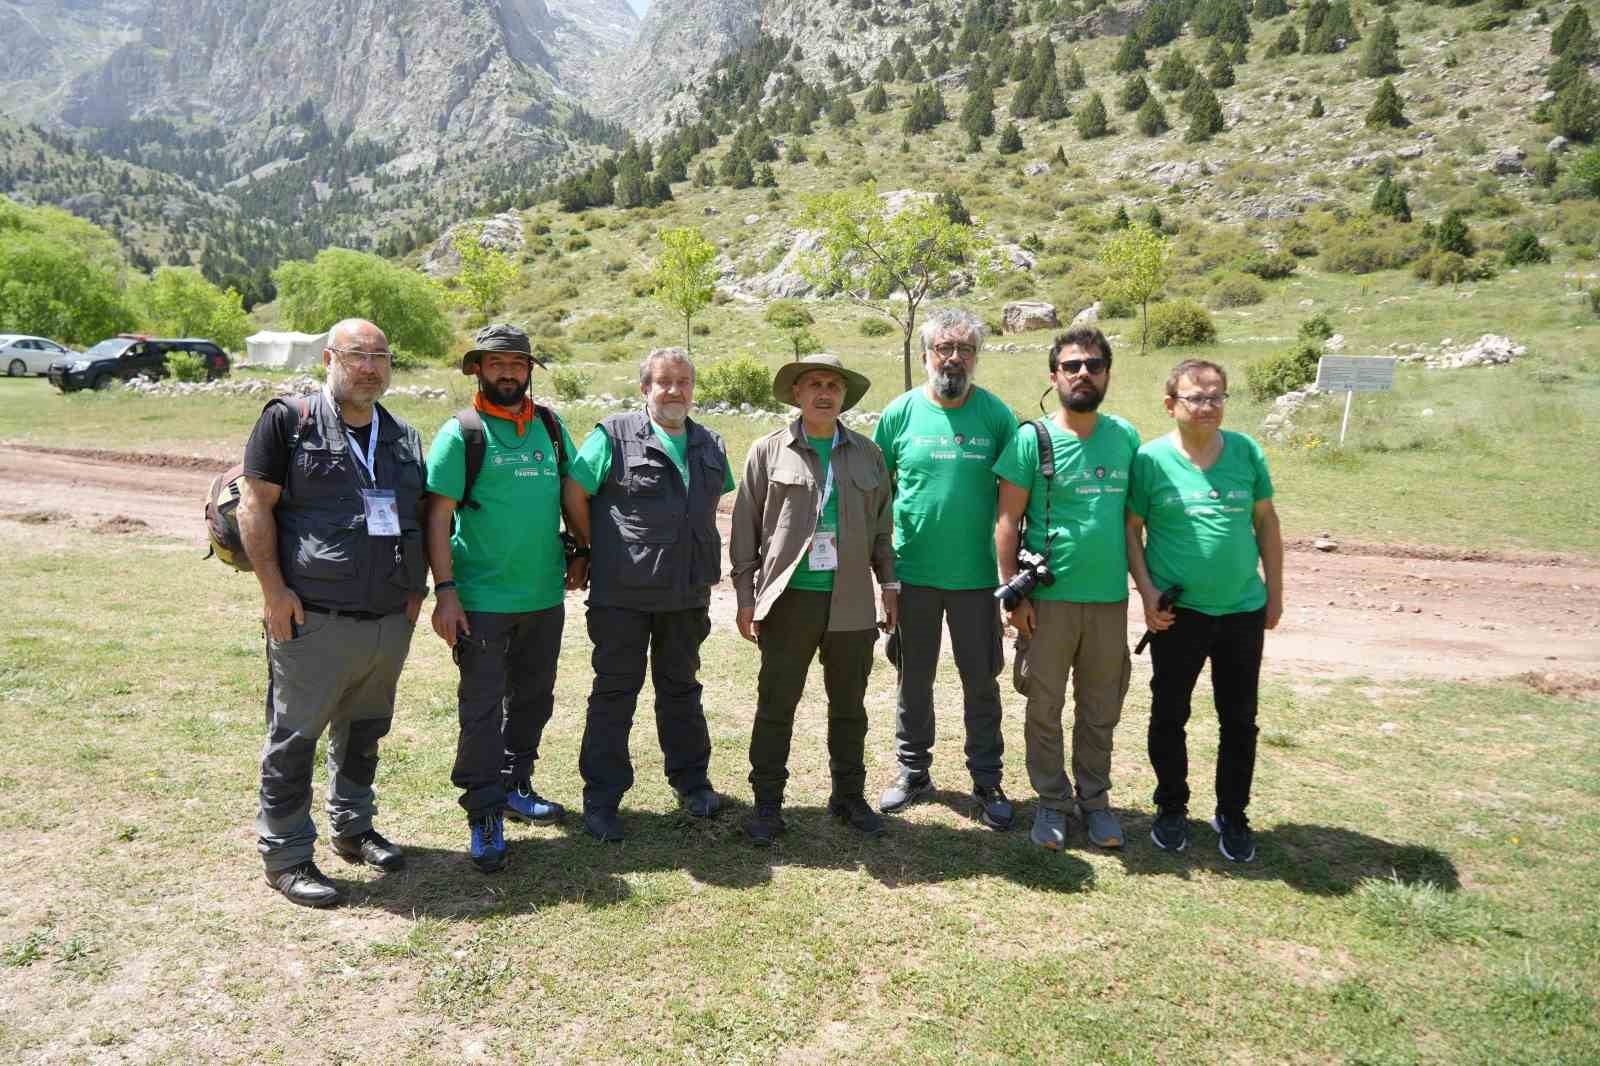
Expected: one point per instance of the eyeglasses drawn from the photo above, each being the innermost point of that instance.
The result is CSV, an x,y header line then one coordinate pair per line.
x,y
965,351
353,356
1094,366
1196,399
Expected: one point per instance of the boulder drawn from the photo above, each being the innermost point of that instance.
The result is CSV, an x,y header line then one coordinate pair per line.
x,y
1089,316
1488,350
1410,151
1556,146
1017,256
502,233
1507,160
1034,169
1175,172
1020,316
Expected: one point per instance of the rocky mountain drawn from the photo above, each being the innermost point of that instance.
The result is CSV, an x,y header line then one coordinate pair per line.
x,y
45,44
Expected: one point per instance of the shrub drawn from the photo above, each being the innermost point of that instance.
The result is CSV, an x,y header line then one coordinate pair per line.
x,y
552,349
742,379
1284,372
575,243
1116,307
701,329
1594,300
1316,328
1363,245
1524,247
1268,266
1179,323
570,384
186,366
1015,286
600,327
1237,290
875,327
1453,235
1450,268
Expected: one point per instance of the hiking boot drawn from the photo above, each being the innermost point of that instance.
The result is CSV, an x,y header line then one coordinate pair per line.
x,y
907,787
603,824
854,812
1102,828
1049,828
702,802
369,848
306,885
1234,838
765,823
488,844
991,807
1170,830
523,804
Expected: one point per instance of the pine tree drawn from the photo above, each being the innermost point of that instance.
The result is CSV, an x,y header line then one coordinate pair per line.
x,y
1022,62
1152,118
1453,236
766,178
877,99
1334,26
1239,55
884,72
1092,118
1010,140
977,114
1024,100
1053,102
601,193
1216,53
1120,220
1153,220
1134,92
1130,56
1389,198
1386,110
1175,72
1573,36
1221,74
703,177
1072,78
1381,54
1317,110
1205,117
1270,9
1287,44
1576,113
1233,25
796,153
842,112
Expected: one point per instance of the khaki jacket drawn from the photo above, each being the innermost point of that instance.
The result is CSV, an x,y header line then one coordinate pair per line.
x,y
775,515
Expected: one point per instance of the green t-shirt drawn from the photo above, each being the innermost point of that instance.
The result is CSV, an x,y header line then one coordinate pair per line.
x,y
942,460
1089,552
506,553
593,462
1200,524
803,576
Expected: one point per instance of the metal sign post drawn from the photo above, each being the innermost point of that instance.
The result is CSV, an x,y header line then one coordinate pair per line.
x,y
1351,374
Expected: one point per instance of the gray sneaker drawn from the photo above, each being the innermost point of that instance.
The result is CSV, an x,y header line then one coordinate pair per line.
x,y
1102,826
1050,828
908,785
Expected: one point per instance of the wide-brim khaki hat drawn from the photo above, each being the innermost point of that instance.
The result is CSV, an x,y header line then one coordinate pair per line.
x,y
855,385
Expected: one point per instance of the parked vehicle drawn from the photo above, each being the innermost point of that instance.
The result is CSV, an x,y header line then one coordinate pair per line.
x,y
127,356
21,354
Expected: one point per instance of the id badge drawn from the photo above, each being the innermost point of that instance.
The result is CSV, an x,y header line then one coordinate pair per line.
x,y
383,513
824,552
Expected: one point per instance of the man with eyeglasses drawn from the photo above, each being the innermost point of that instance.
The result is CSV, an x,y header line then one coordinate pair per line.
x,y
940,443
1200,518
1078,624
330,516
501,574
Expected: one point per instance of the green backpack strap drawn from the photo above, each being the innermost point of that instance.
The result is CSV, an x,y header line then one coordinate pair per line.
x,y
471,423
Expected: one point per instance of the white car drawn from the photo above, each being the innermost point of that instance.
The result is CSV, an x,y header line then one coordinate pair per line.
x,y
20,354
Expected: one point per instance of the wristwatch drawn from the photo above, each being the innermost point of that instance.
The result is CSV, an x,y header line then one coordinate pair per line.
x,y
889,586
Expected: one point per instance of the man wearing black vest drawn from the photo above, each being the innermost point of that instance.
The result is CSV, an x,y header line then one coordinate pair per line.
x,y
329,516
646,484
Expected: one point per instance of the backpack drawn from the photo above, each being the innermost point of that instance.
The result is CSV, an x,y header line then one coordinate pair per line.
x,y
472,435
222,502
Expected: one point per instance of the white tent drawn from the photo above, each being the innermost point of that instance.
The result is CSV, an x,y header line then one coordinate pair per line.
x,y
292,350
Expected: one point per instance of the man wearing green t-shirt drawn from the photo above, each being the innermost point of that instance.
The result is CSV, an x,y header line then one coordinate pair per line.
x,y
940,443
1079,623
1200,518
500,571
644,492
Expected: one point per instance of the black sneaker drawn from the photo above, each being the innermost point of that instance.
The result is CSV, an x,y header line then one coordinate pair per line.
x,y
1234,839
702,802
765,823
991,807
907,787
603,824
306,885
1170,830
854,812
370,848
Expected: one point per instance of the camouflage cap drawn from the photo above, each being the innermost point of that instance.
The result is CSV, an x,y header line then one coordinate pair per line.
x,y
498,337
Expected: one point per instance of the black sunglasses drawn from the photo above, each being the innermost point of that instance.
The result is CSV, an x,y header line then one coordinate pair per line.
x,y
1094,366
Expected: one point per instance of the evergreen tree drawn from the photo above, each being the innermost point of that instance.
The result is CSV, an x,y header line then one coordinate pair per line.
x,y
1221,74
1024,100
732,162
1010,140
1053,102
796,153
1152,118
1287,44
1576,114
1270,9
1120,220
926,111
1333,27
1317,110
1153,220
977,114
766,178
1453,236
601,192
1072,78
1205,117
1561,73
703,176
1061,155
1134,92
936,62
1389,198
877,99
1216,53
1130,56
842,112
1239,55
1091,118
884,72
1573,36
974,144
660,187
1386,110
1022,62
1381,54
1234,23
1175,72
629,190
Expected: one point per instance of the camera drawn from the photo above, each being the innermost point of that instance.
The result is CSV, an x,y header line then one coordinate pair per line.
x,y
1033,568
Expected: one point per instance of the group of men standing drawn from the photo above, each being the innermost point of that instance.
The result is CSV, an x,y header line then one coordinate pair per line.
x,y
340,510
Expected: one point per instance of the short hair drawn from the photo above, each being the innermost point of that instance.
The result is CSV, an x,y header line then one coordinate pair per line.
x,y
1086,337
948,319
1190,367
669,355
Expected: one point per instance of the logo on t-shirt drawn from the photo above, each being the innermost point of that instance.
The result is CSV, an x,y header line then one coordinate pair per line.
x,y
538,456
961,438
1215,494
1100,472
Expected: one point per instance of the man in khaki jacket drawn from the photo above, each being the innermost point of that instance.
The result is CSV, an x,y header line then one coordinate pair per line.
x,y
812,516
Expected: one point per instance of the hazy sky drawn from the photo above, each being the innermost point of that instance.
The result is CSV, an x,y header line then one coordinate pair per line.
x,y
639,6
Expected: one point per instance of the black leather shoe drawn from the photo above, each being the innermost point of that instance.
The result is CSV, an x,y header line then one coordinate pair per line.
x,y
306,885
765,823
854,812
370,848
702,802
603,824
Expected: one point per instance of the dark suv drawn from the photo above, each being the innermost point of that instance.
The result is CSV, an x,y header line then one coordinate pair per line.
x,y
128,356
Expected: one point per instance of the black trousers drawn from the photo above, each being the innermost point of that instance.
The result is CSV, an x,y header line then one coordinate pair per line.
x,y
623,640
974,619
1233,643
504,700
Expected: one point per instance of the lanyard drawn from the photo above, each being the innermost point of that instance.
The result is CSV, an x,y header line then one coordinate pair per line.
x,y
371,455
827,482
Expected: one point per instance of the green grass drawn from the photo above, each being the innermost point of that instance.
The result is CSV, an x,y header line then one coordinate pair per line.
x,y
1419,897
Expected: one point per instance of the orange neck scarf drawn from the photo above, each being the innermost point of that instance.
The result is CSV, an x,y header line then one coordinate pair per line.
x,y
520,417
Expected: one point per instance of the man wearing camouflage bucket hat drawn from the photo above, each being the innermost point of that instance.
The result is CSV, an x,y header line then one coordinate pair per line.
x,y
812,517
500,570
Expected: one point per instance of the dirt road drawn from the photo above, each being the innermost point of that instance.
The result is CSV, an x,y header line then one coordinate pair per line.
x,y
1384,612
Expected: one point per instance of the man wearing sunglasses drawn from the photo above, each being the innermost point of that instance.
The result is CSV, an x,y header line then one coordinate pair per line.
x,y
1078,624
330,516
1200,517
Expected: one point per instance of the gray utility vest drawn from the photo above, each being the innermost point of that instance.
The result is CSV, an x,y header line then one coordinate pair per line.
x,y
656,546
324,551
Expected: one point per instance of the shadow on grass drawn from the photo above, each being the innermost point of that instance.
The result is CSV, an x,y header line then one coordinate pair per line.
x,y
1318,860
546,867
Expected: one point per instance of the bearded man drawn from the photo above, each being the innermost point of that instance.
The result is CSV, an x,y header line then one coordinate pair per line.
x,y
330,518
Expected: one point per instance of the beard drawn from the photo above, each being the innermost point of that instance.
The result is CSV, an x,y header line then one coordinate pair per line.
x,y
347,388
505,392
1082,398
671,414
950,383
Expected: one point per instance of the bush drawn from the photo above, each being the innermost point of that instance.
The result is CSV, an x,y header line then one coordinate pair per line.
x,y
1116,307
570,384
1316,328
1237,290
575,243
1363,245
1284,372
186,366
1268,266
1450,268
742,379
875,327
1525,248
1179,323
1594,300
600,327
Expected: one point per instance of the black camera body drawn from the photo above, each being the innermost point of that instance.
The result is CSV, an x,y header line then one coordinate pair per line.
x,y
1033,569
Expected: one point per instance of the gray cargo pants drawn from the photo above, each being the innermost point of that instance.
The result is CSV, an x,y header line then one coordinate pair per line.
x,y
337,674
974,618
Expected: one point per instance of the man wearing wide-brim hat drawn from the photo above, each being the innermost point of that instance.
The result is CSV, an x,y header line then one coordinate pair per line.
x,y
812,517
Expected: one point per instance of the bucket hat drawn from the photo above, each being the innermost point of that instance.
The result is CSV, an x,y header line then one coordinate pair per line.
x,y
498,337
855,385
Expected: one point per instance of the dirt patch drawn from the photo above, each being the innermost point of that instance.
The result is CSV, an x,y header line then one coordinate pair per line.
x,y
122,524
37,518
144,459
1440,553
1568,686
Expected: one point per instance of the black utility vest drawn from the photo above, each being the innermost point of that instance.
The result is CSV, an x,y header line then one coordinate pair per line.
x,y
324,551
656,545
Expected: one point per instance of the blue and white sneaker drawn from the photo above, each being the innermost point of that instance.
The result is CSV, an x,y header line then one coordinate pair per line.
x,y
523,804
488,847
